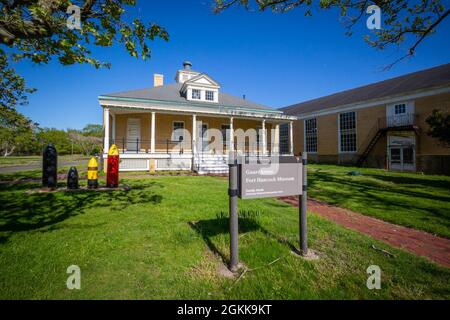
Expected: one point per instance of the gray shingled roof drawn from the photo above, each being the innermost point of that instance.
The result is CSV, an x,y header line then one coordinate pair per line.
x,y
171,92
429,78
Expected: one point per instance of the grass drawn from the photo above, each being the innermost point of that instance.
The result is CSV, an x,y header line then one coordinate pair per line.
x,y
32,160
166,237
408,199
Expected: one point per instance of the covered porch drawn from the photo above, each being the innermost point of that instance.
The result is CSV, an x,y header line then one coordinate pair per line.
x,y
152,140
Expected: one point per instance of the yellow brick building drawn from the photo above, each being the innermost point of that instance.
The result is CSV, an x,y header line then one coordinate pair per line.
x,y
379,125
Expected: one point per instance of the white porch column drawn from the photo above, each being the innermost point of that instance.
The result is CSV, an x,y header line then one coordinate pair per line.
x,y
113,129
231,142
152,133
264,138
276,139
291,137
106,129
194,135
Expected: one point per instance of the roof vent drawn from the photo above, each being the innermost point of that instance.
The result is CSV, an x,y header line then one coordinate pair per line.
x,y
187,65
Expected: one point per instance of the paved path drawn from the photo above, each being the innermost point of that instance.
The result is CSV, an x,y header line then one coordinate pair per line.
x,y
418,242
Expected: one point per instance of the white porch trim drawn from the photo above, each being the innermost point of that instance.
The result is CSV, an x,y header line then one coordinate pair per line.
x,y
106,130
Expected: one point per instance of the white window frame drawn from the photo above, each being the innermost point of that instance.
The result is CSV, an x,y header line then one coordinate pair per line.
x,y
199,94
402,107
284,138
339,132
173,131
212,95
304,136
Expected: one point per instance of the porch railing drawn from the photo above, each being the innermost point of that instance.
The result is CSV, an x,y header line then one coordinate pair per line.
x,y
179,147
144,146
400,120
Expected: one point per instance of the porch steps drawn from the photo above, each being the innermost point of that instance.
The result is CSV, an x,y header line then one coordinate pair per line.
x,y
212,164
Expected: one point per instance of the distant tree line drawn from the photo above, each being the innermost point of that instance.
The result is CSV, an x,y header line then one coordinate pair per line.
x,y
21,136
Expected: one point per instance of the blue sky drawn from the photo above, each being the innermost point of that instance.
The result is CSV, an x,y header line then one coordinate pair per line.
x,y
274,59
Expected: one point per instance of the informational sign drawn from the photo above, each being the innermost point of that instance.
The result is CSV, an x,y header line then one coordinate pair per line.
x,y
265,179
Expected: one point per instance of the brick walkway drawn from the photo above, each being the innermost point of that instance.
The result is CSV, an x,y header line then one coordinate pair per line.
x,y
418,242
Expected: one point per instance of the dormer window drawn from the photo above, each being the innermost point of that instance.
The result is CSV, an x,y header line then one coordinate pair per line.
x,y
209,95
196,94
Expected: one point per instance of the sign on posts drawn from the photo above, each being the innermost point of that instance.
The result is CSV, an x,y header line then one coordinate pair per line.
x,y
264,177
269,177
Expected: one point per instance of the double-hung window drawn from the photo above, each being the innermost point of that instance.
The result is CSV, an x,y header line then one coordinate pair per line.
x,y
284,138
209,95
400,108
347,132
178,131
196,94
311,135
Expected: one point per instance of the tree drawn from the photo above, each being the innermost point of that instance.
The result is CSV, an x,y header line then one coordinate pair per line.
x,y
59,138
16,132
38,30
89,140
93,130
404,21
439,122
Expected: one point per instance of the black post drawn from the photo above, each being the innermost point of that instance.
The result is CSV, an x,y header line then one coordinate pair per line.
x,y
123,144
167,145
303,207
233,209
72,179
137,145
49,167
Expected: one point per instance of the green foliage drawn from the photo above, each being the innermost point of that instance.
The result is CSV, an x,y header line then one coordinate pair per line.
x,y
93,130
59,138
37,30
13,90
16,132
439,122
20,136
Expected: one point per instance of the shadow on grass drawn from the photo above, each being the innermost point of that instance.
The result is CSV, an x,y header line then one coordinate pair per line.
x,y
24,212
424,181
210,228
409,201
315,179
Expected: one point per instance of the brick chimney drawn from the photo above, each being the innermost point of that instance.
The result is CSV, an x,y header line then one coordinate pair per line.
x,y
158,80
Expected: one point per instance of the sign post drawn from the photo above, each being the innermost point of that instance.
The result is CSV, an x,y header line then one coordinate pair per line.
x,y
303,199
233,209
264,178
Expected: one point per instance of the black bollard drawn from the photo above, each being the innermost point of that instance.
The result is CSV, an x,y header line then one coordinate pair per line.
x,y
72,179
49,167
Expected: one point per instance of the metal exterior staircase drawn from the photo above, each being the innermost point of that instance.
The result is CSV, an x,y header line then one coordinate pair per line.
x,y
383,125
363,157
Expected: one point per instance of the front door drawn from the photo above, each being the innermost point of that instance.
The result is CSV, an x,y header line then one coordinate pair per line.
x,y
133,134
402,158
204,137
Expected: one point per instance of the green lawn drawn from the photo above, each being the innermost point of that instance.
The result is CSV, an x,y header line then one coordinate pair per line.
x,y
165,238
15,161
31,160
408,199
